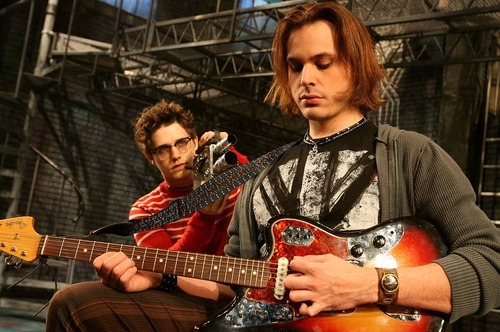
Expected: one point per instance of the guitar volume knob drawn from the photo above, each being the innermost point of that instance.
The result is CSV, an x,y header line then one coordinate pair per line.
x,y
379,241
357,250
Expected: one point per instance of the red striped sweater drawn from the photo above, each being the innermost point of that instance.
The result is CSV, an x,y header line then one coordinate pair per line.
x,y
193,233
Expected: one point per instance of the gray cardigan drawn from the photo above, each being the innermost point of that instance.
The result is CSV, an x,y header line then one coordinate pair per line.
x,y
416,177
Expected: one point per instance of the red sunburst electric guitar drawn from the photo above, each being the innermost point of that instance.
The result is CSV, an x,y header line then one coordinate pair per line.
x,y
262,303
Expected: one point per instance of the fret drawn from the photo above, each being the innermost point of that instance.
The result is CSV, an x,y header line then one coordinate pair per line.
x,y
226,269
239,272
203,265
42,244
133,252
194,260
92,251
212,267
220,267
77,249
62,246
185,264
136,255
176,261
144,257
186,260
154,263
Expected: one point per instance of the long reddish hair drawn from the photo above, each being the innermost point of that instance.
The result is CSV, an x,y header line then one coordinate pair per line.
x,y
355,49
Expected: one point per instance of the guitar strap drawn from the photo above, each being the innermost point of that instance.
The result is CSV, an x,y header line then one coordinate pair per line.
x,y
208,192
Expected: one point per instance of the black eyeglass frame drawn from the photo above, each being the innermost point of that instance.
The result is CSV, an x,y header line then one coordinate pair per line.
x,y
168,148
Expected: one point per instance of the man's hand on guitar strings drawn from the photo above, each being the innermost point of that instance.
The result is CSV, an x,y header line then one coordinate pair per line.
x,y
326,283
118,271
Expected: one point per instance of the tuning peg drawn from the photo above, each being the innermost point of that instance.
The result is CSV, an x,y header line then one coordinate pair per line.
x,y
8,260
18,265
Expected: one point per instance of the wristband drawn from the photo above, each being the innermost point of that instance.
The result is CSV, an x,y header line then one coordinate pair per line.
x,y
168,283
388,286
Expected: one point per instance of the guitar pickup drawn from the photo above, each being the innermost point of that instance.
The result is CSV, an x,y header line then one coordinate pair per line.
x,y
279,287
300,236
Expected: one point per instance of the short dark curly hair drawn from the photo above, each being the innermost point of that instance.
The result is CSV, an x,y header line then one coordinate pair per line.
x,y
161,113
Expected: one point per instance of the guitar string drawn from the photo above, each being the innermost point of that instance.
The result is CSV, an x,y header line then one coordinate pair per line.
x,y
148,260
224,262
70,248
54,245
184,257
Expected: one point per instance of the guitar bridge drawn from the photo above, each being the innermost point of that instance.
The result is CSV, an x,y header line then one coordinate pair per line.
x,y
402,313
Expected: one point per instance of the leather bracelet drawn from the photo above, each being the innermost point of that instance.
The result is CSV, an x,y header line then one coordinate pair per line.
x,y
388,286
168,283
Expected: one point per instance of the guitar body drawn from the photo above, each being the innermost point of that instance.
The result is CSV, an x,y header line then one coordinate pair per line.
x,y
400,242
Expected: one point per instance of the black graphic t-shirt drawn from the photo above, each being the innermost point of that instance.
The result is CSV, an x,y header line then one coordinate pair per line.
x,y
334,182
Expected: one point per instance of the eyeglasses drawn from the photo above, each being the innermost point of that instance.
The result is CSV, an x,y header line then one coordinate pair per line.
x,y
164,151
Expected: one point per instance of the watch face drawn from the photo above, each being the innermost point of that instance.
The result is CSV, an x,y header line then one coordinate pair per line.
x,y
390,282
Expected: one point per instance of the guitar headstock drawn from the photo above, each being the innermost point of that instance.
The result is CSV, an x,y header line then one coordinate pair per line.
x,y
18,238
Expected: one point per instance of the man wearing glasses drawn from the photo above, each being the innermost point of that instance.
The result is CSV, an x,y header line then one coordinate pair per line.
x,y
166,134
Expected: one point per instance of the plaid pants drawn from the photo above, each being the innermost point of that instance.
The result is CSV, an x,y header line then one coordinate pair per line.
x,y
91,306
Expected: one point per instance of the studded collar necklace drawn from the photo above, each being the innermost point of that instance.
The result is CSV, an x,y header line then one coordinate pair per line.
x,y
315,143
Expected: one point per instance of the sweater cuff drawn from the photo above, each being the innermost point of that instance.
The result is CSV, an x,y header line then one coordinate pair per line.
x,y
464,283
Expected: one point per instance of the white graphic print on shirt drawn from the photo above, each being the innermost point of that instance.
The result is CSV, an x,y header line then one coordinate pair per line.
x,y
313,194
